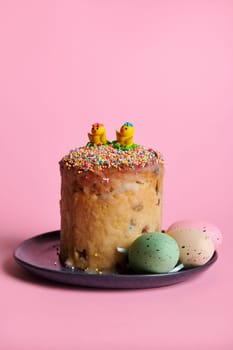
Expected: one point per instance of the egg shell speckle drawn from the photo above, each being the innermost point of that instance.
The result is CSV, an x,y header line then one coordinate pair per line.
x,y
196,248
153,253
207,228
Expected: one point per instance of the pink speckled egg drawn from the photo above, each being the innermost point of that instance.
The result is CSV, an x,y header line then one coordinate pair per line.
x,y
207,228
196,248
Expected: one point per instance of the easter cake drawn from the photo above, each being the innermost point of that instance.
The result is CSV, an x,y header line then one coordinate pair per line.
x,y
111,193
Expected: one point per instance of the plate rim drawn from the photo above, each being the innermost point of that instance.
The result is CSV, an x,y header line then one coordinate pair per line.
x,y
34,268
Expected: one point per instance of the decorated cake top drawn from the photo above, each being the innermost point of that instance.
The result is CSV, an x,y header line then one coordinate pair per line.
x,y
100,154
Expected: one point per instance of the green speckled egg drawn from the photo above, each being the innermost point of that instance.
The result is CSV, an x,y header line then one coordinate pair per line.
x,y
153,253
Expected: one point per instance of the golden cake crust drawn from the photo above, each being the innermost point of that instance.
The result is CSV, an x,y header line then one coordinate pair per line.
x,y
104,207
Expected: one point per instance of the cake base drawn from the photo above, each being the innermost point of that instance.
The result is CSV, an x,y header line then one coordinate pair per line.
x,y
103,211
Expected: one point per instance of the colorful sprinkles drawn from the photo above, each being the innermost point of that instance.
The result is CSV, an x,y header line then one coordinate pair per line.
x,y
106,156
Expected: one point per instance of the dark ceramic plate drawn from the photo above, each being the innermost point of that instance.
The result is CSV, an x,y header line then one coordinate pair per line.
x,y
39,254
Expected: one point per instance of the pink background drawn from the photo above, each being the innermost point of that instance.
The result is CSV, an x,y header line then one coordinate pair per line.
x,y
167,67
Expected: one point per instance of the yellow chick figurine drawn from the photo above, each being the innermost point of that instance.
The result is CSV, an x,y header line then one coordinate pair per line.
x,y
125,136
98,134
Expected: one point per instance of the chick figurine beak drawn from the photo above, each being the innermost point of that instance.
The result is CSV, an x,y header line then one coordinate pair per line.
x,y
98,134
125,136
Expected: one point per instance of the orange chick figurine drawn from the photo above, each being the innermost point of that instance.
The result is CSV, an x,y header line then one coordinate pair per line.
x,y
98,134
